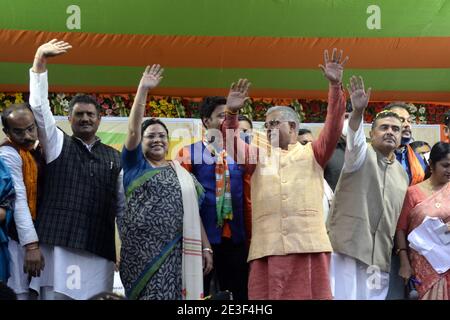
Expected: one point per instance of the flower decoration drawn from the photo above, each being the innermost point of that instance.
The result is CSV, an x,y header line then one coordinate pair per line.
x,y
189,107
9,98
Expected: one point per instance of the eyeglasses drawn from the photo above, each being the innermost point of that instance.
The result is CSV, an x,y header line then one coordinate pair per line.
x,y
274,123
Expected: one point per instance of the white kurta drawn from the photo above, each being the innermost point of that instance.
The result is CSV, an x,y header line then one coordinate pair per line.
x,y
18,281
350,278
75,273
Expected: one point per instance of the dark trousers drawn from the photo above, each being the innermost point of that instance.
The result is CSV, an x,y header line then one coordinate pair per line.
x,y
396,283
230,270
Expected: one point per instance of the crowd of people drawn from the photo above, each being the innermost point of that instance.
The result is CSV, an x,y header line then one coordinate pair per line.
x,y
343,216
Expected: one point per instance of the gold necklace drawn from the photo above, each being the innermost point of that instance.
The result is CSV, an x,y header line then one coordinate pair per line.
x,y
432,189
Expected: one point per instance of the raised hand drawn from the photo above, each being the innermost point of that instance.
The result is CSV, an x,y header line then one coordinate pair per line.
x,y
49,49
238,95
151,77
334,69
358,96
53,48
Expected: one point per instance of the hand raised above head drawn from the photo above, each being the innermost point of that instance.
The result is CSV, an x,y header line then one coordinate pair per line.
x,y
358,96
333,69
238,94
52,48
151,77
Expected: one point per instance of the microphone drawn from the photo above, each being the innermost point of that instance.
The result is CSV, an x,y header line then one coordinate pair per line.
x,y
411,291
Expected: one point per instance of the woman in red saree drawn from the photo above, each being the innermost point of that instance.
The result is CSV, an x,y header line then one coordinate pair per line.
x,y
428,198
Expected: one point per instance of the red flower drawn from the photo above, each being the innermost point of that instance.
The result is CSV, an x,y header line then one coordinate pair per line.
x,y
259,108
378,108
431,110
368,118
315,108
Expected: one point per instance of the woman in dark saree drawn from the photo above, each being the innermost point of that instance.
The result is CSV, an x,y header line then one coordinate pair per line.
x,y
163,242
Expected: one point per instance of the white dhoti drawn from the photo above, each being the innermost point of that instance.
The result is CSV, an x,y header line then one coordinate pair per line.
x,y
18,281
354,280
74,273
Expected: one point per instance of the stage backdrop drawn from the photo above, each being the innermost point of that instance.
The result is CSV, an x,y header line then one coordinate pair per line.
x,y
400,47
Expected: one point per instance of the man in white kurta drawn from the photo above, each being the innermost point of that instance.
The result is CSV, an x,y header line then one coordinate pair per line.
x,y
69,272
367,204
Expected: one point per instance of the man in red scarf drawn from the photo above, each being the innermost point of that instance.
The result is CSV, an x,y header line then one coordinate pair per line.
x,y
411,161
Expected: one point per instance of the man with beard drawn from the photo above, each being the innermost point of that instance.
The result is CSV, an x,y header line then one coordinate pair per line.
x,y
367,203
414,166
22,155
410,161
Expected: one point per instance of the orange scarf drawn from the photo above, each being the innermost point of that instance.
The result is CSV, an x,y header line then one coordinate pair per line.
x,y
417,173
30,177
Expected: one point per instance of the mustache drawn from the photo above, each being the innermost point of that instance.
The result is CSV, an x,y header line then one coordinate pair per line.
x,y
389,136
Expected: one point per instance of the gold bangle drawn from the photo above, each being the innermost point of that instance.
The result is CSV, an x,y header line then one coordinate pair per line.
x,y
208,250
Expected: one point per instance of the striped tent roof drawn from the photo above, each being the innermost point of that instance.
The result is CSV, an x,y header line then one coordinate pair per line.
x,y
400,47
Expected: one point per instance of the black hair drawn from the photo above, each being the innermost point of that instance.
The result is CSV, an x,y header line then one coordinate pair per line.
x,y
11,109
150,122
241,117
385,114
84,98
210,104
396,105
439,151
417,144
447,118
304,131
